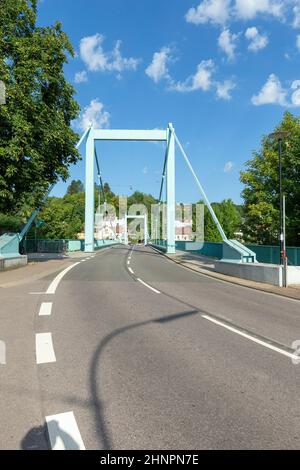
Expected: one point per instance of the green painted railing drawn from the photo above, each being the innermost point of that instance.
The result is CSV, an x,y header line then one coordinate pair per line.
x,y
214,250
264,253
271,254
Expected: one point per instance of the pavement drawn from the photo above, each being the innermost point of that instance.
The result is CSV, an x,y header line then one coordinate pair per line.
x,y
125,349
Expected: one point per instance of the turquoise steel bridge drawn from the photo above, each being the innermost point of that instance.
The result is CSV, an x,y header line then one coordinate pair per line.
x,y
232,249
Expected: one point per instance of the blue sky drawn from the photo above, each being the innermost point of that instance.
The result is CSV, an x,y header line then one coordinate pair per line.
x,y
222,71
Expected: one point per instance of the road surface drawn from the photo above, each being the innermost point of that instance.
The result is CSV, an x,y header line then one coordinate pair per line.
x,y
128,350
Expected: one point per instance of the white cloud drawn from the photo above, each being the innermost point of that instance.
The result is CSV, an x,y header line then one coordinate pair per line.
x,y
295,98
220,12
257,41
209,11
120,63
249,9
145,170
228,167
296,20
97,60
158,69
274,93
224,89
298,42
201,80
94,114
81,77
227,42
271,93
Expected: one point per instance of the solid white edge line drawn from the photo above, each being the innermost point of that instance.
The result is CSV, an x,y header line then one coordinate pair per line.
x,y
63,432
147,285
129,269
44,348
251,338
53,286
45,309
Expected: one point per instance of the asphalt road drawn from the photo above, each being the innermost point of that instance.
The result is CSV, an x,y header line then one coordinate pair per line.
x,y
147,354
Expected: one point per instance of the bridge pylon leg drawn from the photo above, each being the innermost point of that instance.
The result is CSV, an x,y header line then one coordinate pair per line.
x,y
89,194
171,192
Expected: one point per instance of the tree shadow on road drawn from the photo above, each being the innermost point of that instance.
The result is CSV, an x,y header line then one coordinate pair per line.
x,y
36,439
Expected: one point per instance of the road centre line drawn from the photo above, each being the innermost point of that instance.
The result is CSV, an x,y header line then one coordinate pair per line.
x,y
44,348
251,338
137,278
45,309
63,432
147,285
54,284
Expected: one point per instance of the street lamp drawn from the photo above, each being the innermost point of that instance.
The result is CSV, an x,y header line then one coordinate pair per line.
x,y
279,136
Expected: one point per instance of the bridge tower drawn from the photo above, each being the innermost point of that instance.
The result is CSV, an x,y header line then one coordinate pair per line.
x,y
155,135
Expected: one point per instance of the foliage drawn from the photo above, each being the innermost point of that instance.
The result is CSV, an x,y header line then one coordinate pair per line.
x,y
141,198
63,217
37,144
10,223
76,186
229,217
261,192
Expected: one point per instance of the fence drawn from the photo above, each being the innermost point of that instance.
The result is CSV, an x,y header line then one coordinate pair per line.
x,y
214,250
271,254
43,246
265,253
58,246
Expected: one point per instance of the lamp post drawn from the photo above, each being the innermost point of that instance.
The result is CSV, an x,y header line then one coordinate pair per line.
x,y
279,136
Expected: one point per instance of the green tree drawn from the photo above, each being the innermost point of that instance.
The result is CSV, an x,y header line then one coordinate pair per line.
x,y
76,186
141,198
261,192
106,189
63,217
9,223
229,217
37,144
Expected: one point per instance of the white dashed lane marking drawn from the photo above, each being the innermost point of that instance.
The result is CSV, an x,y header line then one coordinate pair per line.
x,y
44,348
63,432
45,309
147,285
